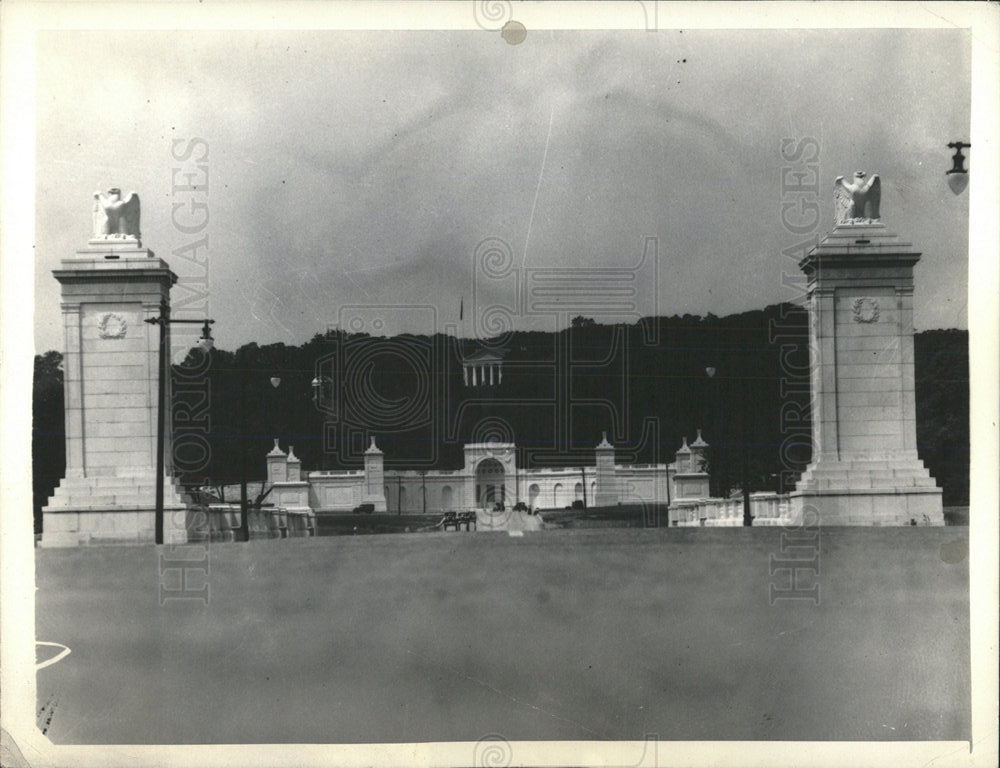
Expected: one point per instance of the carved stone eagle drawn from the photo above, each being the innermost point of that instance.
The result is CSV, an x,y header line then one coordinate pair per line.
x,y
857,202
115,218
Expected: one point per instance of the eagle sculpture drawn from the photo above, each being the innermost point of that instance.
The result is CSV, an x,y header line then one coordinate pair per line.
x,y
115,218
857,202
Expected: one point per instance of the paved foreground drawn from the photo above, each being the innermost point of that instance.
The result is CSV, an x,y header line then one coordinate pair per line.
x,y
590,634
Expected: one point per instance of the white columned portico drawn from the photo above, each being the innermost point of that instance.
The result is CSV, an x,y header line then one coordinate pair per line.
x,y
484,368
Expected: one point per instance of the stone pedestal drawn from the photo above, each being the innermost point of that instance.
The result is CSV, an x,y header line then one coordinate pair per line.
x,y
606,492
687,476
277,464
111,370
865,469
289,492
374,492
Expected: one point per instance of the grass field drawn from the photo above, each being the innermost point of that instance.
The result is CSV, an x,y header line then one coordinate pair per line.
x,y
563,634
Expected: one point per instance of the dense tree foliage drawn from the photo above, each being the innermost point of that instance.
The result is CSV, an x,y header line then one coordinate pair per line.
x,y
646,385
48,433
942,393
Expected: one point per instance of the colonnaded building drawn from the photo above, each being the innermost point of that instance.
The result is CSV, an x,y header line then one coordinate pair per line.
x,y
490,475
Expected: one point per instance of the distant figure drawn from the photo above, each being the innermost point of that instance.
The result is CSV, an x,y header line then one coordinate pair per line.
x,y
114,217
857,202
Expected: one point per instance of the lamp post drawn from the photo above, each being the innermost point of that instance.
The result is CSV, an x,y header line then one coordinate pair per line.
x,y
423,489
275,383
206,342
244,496
318,383
519,457
274,420
745,438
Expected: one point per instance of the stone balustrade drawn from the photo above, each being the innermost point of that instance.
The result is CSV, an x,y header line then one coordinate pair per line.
x,y
221,522
766,509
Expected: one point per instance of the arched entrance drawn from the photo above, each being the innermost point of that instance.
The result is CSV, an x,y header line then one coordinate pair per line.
x,y
490,478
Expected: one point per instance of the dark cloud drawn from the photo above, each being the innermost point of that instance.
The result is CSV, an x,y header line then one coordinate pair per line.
x,y
366,167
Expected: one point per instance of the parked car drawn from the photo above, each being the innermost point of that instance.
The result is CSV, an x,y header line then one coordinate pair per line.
x,y
520,507
363,509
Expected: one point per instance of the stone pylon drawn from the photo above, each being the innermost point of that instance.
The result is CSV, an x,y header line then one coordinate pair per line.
x,y
111,384
607,484
374,491
865,469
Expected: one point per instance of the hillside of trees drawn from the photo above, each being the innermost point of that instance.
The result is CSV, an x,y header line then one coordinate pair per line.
x,y
645,384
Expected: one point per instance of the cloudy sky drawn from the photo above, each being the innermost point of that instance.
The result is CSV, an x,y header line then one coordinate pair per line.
x,y
354,169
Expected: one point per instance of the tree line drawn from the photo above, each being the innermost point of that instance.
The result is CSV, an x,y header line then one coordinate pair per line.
x,y
648,385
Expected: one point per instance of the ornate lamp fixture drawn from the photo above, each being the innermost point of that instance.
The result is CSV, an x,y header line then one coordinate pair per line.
x,y
958,176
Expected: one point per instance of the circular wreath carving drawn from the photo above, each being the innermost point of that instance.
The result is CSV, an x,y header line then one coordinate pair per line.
x,y
112,326
865,310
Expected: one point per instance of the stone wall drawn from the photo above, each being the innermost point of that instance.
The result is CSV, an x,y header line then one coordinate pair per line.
x,y
439,491
766,509
221,522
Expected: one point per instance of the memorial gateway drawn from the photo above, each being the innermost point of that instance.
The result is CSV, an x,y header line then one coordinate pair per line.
x,y
864,470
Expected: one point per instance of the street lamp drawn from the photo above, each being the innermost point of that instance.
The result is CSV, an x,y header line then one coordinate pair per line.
x,y
275,383
958,176
745,432
206,343
244,497
423,489
317,386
